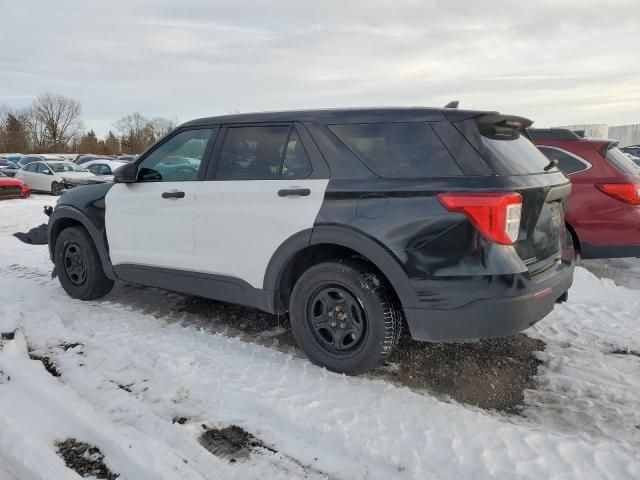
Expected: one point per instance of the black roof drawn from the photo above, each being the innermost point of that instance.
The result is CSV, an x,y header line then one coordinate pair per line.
x,y
346,115
553,134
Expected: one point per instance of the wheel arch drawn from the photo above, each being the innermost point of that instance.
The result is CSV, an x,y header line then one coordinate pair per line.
x,y
65,216
313,246
574,237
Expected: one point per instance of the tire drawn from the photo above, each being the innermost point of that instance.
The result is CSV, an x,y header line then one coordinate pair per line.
x,y
78,265
56,188
343,317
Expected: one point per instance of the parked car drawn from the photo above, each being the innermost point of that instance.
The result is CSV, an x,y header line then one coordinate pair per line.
x,y
633,158
349,220
12,188
8,167
82,159
632,149
104,168
50,176
41,157
603,213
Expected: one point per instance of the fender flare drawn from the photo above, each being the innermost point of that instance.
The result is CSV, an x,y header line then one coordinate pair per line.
x,y
63,212
359,242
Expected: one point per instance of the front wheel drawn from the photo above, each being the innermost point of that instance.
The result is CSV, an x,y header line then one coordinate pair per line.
x,y
344,317
57,188
78,265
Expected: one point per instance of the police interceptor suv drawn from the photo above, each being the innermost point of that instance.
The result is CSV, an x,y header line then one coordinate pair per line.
x,y
355,222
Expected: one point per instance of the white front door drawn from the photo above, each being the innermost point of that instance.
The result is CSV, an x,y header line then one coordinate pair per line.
x,y
260,197
150,222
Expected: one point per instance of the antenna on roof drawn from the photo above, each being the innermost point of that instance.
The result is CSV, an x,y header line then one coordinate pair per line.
x,y
452,104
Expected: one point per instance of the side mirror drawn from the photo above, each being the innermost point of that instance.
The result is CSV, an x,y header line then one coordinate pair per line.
x,y
48,172
127,173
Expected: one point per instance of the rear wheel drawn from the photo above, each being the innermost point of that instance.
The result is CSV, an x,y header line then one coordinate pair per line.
x,y
78,265
343,317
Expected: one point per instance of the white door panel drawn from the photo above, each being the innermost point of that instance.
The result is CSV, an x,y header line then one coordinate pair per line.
x,y
145,229
239,224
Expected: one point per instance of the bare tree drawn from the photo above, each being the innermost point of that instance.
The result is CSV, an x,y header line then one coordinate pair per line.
x,y
135,132
35,129
56,120
161,126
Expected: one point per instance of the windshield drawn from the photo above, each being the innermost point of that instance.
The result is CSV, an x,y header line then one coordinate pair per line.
x,y
621,162
66,167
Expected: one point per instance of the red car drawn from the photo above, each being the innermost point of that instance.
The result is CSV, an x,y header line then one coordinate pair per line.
x,y
12,188
603,211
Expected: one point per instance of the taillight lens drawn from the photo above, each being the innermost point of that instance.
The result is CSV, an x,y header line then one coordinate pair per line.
x,y
625,192
495,215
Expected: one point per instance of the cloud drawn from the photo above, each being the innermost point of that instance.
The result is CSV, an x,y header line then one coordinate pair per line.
x,y
556,62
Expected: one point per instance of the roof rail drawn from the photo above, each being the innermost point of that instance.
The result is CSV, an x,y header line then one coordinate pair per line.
x,y
552,134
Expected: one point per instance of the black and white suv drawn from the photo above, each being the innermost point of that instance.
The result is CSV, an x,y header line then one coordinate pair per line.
x,y
352,221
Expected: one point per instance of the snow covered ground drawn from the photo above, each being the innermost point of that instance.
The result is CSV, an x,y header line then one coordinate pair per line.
x,y
141,379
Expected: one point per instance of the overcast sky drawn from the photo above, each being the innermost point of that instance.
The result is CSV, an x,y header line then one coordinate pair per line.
x,y
557,62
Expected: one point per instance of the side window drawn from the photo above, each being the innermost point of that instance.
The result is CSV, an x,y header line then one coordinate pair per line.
x,y
568,164
30,167
41,167
104,170
253,153
93,169
296,164
176,160
398,150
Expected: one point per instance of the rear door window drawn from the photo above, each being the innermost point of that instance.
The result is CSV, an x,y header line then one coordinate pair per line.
x,y
567,162
398,150
263,153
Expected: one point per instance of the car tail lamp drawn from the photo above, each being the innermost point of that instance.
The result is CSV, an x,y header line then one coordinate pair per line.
x,y
495,215
625,192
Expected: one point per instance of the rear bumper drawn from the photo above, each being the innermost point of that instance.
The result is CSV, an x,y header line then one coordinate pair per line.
x,y
491,318
608,251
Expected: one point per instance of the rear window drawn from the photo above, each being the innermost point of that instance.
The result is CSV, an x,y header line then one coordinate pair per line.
x,y
621,162
516,156
398,150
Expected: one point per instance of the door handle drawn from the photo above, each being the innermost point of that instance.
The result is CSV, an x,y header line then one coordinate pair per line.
x,y
291,192
173,195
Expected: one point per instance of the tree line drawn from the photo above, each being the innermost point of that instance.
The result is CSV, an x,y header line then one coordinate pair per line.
x,y
53,124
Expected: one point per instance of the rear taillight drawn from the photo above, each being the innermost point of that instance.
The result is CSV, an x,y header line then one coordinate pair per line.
x,y
495,215
625,192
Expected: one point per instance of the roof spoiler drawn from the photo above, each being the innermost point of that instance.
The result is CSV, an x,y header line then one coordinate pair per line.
x,y
498,126
552,134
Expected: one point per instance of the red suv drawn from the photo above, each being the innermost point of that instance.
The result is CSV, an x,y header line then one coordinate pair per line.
x,y
603,211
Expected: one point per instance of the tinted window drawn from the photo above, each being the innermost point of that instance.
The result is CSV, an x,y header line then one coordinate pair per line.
x,y
31,167
398,150
513,156
176,160
262,153
621,162
296,162
566,162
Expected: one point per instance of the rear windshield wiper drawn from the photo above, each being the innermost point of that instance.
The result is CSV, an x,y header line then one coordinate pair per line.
x,y
552,164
